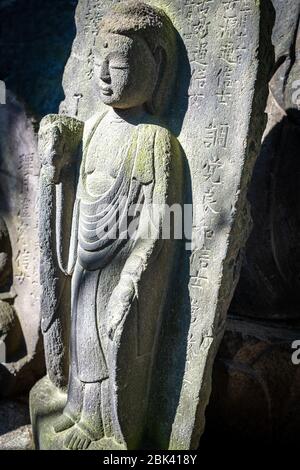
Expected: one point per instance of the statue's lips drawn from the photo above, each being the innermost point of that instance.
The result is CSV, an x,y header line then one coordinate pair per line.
x,y
107,91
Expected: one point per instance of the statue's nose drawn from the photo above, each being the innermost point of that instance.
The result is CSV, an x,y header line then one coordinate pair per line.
x,y
104,72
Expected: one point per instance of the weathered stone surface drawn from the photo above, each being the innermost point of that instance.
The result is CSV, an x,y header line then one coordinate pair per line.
x,y
19,277
226,55
19,439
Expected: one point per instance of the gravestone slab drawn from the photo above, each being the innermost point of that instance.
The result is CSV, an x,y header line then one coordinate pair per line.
x,y
20,288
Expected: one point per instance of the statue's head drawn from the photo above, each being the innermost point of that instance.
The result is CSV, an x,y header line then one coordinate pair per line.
x,y
135,57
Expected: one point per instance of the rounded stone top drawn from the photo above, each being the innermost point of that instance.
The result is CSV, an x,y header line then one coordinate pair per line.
x,y
131,17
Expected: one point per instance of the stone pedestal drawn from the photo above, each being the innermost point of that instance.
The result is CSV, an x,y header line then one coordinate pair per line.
x,y
47,404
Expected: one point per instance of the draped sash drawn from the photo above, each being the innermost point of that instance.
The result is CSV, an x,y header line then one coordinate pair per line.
x,y
104,220
102,233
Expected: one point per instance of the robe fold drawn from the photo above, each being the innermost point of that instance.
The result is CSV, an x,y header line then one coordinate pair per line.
x,y
102,234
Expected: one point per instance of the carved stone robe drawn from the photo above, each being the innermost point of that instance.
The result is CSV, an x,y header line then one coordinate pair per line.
x,y
102,253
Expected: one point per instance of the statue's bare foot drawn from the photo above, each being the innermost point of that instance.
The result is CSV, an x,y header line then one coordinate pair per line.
x,y
63,422
80,437
77,439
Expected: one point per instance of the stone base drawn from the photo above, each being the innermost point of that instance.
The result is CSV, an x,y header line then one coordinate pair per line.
x,y
46,405
15,430
19,439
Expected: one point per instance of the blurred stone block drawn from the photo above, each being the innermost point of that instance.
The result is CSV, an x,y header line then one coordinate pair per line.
x,y
256,387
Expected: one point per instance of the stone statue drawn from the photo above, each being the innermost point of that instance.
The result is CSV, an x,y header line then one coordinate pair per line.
x,y
104,190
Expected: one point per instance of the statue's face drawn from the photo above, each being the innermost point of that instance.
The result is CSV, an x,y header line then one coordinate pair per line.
x,y
125,71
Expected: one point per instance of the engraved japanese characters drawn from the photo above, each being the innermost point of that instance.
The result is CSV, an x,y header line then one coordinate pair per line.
x,y
23,359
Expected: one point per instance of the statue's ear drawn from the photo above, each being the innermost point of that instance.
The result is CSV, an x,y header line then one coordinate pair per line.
x,y
159,54
160,60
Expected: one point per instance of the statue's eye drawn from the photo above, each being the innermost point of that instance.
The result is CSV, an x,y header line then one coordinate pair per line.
x,y
118,66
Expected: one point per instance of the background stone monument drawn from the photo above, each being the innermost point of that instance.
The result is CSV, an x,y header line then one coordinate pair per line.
x,y
19,274
35,42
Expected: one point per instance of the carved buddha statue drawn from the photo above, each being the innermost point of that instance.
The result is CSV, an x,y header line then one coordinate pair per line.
x,y
118,262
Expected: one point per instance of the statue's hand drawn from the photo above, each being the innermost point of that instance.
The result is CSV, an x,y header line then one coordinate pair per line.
x,y
119,304
59,137
51,143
